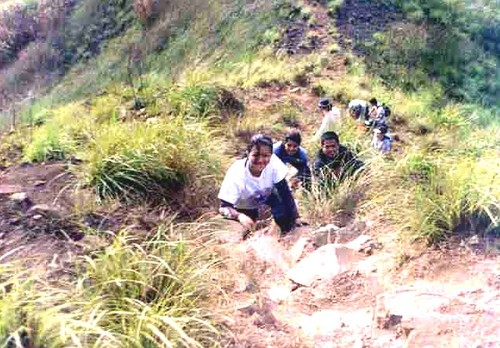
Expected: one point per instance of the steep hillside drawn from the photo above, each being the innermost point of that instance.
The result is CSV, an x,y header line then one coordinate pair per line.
x,y
127,114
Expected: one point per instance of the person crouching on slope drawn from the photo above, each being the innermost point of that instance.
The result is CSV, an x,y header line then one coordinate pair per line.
x,y
377,114
290,151
359,110
334,161
331,116
255,180
381,141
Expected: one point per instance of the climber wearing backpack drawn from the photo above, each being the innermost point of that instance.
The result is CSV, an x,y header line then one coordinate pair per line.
x,y
379,113
331,116
290,152
381,142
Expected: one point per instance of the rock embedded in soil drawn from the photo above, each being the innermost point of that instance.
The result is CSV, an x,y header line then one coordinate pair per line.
x,y
298,249
10,189
325,235
21,200
44,210
323,264
363,243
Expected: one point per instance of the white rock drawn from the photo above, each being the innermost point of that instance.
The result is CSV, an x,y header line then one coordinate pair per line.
x,y
324,263
361,243
325,235
19,196
279,293
321,323
298,249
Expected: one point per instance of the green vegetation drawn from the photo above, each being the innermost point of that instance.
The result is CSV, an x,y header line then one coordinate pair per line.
x,y
451,42
128,159
134,293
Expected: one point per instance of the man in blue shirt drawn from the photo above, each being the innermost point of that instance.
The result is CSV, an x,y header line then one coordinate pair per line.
x,y
290,151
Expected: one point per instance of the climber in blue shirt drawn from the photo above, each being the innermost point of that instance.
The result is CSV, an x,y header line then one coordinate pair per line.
x,y
290,151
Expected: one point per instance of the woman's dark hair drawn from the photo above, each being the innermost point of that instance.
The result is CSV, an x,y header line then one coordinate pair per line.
x,y
373,101
329,136
293,135
259,140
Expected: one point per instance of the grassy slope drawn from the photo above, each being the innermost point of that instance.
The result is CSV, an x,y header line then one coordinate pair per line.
x,y
441,178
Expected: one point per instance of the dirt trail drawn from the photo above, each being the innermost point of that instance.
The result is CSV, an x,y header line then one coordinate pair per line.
x,y
368,303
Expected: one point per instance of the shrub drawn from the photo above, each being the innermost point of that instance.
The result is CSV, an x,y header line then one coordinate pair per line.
x,y
194,101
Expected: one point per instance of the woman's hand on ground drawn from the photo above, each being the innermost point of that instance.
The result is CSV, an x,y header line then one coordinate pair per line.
x,y
246,221
299,222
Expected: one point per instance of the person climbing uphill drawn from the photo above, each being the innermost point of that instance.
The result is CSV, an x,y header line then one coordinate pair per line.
x,y
359,110
378,113
331,116
381,141
255,180
334,161
290,151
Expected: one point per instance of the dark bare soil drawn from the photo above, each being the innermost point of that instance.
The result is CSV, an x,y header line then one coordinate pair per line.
x,y
358,20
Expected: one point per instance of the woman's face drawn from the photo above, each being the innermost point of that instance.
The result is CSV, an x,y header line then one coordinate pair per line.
x,y
259,157
291,147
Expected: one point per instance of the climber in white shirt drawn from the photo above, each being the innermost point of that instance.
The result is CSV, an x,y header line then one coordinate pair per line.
x,y
331,117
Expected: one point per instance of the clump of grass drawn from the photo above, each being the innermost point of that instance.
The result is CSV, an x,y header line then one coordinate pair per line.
x,y
431,195
12,146
149,293
334,203
150,161
194,101
60,137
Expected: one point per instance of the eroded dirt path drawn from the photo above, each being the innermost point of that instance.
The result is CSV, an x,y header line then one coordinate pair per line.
x,y
363,299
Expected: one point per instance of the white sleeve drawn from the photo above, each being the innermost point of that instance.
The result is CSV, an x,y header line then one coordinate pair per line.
x,y
380,112
336,113
229,190
322,128
280,170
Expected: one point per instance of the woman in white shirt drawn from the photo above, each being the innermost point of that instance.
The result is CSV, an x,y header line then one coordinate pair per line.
x,y
258,179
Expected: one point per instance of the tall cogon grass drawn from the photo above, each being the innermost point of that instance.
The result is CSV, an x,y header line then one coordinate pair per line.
x,y
334,203
432,196
153,161
69,127
134,293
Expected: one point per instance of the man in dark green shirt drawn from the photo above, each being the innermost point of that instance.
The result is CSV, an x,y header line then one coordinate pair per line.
x,y
334,161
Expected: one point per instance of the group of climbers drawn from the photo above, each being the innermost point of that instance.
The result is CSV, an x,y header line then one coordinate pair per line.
x,y
373,115
261,177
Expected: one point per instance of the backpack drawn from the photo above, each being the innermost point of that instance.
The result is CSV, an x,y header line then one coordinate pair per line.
x,y
387,110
